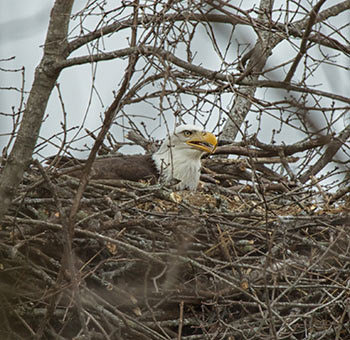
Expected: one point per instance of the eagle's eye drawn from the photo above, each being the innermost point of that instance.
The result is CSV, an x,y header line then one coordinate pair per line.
x,y
187,133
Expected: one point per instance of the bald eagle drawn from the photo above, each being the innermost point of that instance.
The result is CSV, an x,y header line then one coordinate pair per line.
x,y
177,160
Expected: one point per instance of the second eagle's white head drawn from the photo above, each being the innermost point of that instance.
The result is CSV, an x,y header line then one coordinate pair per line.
x,y
179,157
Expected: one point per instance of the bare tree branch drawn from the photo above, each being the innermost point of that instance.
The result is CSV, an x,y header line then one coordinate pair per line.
x,y
313,16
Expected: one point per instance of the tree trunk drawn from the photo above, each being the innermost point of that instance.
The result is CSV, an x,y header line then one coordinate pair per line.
x,y
257,60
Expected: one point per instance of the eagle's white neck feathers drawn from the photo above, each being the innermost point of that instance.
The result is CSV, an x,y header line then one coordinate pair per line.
x,y
177,159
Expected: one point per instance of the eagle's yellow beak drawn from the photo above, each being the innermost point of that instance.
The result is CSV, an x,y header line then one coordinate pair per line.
x,y
204,141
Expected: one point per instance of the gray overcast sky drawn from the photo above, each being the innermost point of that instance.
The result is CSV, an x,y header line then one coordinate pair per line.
x,y
23,27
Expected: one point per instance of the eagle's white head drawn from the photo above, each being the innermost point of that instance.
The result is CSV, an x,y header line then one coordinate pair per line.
x,y
179,157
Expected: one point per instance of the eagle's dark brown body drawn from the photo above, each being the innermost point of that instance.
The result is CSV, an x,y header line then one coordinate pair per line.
x,y
127,167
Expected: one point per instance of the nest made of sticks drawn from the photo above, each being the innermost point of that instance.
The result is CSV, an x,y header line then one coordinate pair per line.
x,y
149,263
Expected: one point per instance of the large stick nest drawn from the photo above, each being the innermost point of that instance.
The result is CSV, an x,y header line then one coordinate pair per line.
x,y
149,263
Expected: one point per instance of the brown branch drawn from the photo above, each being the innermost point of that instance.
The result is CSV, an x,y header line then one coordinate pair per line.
x,y
295,29
339,194
306,36
147,51
290,87
149,19
268,150
196,70
68,265
328,155
109,116
181,319
138,139
154,258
